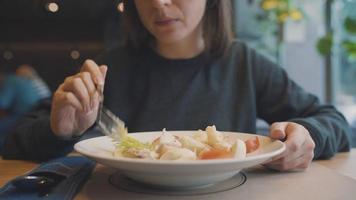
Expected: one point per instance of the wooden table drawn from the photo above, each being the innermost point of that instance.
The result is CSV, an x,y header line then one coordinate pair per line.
x,y
326,179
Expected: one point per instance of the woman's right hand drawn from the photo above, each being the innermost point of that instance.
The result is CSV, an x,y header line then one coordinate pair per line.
x,y
76,101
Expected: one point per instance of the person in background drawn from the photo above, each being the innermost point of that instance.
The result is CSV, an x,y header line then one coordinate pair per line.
x,y
181,69
17,96
30,73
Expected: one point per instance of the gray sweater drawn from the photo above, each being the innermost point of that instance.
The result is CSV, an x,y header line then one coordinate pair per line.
x,y
150,93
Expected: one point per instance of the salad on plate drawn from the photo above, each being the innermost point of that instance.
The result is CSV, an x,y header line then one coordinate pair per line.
x,y
202,145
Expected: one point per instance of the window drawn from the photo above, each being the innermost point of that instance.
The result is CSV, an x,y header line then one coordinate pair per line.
x,y
343,56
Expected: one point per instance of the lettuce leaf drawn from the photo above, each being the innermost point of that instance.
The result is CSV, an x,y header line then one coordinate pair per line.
x,y
128,144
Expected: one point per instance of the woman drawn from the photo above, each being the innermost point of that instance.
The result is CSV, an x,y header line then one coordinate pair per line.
x,y
180,69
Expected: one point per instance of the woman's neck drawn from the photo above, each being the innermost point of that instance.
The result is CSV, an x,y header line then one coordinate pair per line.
x,y
184,49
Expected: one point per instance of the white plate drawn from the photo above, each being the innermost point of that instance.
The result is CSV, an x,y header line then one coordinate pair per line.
x,y
177,173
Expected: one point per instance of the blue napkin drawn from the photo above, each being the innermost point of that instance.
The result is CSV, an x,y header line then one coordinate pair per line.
x,y
68,173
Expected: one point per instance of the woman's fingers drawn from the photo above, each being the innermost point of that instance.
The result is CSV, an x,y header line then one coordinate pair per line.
x,y
87,80
299,148
286,157
278,157
89,84
283,165
84,85
300,163
95,72
97,78
76,100
278,130
96,100
69,98
294,143
296,137
298,141
76,86
103,69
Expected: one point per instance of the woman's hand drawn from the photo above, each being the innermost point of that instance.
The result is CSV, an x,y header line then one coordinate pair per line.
x,y
75,103
299,147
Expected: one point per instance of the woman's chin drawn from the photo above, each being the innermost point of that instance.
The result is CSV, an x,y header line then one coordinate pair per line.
x,y
170,39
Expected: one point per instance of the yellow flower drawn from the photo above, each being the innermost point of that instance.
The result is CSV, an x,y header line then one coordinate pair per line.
x,y
296,15
270,4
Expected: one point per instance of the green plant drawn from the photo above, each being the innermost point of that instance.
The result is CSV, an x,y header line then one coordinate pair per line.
x,y
350,25
272,18
350,47
324,45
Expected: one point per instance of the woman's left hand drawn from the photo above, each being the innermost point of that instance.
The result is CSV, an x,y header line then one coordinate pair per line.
x,y
299,147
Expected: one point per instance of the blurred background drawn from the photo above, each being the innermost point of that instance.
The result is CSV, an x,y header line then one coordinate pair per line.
x,y
55,36
314,40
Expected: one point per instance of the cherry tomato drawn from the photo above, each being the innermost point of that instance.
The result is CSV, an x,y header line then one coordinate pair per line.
x,y
215,154
252,144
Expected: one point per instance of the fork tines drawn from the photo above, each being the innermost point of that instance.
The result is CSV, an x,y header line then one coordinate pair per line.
x,y
108,122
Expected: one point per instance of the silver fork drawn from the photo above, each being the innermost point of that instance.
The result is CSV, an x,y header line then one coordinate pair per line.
x,y
107,122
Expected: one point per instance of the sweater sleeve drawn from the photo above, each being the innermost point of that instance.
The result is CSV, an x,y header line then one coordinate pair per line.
x,y
278,98
32,138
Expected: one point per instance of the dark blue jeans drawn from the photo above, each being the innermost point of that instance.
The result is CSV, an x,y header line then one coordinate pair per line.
x,y
6,124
